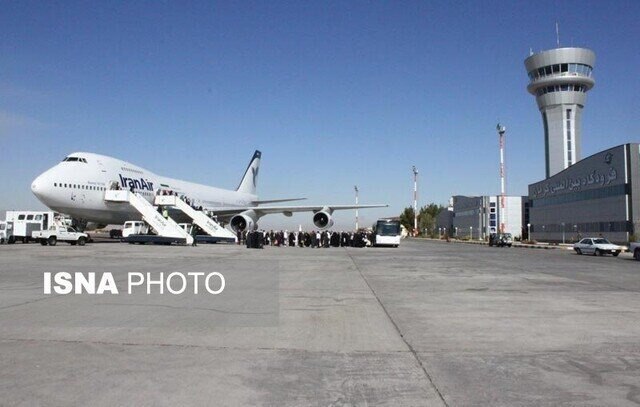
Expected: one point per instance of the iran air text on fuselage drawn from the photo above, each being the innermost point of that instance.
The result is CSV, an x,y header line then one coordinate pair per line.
x,y
136,183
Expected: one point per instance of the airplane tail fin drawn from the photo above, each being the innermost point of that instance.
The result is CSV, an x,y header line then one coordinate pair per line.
x,y
249,180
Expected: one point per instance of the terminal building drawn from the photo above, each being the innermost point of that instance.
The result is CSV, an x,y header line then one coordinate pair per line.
x,y
477,217
597,196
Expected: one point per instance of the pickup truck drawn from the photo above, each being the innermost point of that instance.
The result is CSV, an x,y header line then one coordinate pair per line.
x,y
57,234
634,247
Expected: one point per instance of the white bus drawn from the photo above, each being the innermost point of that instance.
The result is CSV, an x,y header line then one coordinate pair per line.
x,y
386,232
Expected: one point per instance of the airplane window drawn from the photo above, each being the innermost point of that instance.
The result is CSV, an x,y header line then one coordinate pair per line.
x,y
55,185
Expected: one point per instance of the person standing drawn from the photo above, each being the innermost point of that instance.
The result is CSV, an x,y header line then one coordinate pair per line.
x,y
194,235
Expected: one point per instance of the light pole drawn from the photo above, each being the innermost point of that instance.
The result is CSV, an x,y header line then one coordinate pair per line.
x,y
415,200
456,229
470,232
562,232
529,231
355,187
501,130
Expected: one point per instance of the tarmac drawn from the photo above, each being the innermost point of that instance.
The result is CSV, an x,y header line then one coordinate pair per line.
x,y
427,324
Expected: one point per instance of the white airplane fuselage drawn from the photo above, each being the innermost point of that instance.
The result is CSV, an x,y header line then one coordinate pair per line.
x,y
77,185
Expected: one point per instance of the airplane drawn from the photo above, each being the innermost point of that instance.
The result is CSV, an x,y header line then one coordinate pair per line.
x,y
76,188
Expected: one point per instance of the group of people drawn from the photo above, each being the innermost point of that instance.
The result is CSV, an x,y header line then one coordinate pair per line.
x,y
313,239
186,199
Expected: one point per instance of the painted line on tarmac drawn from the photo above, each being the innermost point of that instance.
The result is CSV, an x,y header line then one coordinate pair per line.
x,y
397,328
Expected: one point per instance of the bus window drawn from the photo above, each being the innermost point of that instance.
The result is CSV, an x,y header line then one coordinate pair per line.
x,y
29,217
20,217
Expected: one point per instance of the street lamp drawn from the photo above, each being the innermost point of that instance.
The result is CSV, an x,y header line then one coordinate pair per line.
x,y
415,200
529,231
456,229
355,187
562,232
502,215
470,232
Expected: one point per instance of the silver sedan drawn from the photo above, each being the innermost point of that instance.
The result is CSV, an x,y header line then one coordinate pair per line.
x,y
597,246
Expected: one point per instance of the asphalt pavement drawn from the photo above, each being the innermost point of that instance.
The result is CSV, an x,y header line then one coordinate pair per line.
x,y
427,324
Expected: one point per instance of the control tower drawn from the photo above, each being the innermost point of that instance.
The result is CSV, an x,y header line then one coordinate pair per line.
x,y
559,79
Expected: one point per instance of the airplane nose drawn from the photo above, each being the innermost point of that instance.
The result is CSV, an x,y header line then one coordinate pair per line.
x,y
37,186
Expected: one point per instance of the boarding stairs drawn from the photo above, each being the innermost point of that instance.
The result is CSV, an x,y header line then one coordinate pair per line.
x,y
165,227
208,225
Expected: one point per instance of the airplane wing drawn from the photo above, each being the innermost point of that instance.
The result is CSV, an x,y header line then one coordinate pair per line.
x,y
271,201
287,210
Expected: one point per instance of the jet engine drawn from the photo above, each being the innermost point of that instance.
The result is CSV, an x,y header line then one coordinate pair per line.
x,y
323,219
246,220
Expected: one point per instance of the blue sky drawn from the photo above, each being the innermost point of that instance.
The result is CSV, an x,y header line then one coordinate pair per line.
x,y
333,93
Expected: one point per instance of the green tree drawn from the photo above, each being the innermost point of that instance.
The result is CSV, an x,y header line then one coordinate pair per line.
x,y
426,218
406,218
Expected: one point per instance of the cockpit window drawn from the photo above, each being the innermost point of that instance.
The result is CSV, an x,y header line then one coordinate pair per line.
x,y
75,159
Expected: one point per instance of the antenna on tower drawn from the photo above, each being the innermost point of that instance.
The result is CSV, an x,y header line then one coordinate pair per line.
x,y
557,35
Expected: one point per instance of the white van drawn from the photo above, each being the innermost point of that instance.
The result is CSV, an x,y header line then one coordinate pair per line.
x,y
134,227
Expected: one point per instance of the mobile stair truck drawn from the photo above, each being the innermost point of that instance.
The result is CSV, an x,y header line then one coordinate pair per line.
x,y
214,231
167,229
